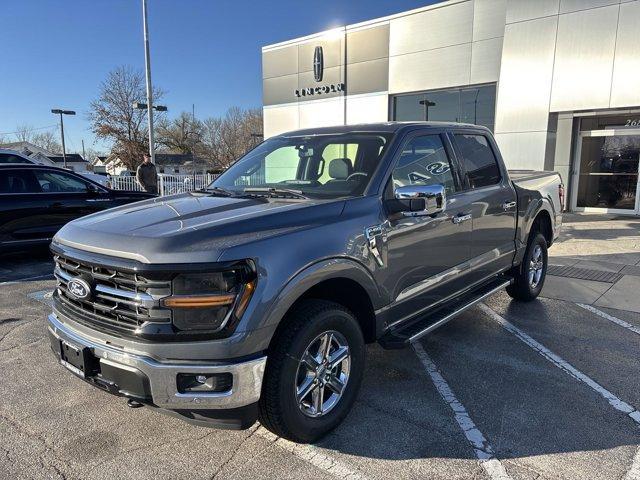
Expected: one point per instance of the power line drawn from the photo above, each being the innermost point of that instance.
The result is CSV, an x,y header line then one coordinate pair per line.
x,y
30,129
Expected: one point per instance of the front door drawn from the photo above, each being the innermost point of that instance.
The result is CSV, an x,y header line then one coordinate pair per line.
x,y
426,252
607,171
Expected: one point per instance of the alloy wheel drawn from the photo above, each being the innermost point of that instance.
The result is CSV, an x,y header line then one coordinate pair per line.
x,y
323,373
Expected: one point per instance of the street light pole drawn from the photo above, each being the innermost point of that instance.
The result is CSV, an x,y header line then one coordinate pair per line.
x,y
147,63
60,112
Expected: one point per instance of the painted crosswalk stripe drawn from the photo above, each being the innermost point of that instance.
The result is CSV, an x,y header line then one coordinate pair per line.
x,y
561,363
481,446
611,318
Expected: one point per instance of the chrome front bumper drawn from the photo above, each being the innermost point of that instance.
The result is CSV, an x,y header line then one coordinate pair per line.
x,y
245,389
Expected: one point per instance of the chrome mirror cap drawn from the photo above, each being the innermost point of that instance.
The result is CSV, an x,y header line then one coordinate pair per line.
x,y
434,197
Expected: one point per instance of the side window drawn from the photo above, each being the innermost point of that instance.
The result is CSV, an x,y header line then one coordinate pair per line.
x,y
59,182
9,158
18,181
424,161
479,161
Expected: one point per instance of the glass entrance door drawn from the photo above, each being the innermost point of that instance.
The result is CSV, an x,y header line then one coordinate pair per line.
x,y
607,177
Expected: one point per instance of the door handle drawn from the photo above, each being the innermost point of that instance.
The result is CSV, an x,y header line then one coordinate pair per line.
x,y
461,218
56,205
508,205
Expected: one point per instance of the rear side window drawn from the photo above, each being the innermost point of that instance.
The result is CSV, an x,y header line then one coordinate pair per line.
x,y
478,159
18,181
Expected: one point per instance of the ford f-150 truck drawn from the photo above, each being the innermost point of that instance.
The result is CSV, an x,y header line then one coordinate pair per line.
x,y
254,298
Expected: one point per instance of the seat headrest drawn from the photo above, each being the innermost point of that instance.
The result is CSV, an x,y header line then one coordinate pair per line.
x,y
340,168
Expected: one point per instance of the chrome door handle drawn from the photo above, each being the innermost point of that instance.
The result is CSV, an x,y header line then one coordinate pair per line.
x,y
461,218
508,205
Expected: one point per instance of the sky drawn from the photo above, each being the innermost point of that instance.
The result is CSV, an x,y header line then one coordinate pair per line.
x,y
205,53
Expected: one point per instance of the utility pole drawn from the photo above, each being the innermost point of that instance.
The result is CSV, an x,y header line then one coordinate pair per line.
x,y
58,111
147,63
83,155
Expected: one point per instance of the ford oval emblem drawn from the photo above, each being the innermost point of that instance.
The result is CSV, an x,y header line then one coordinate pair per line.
x,y
79,288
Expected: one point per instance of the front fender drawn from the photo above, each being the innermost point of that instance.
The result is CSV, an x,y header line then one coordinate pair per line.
x,y
313,275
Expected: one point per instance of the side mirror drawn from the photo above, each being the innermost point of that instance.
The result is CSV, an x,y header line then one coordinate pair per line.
x,y
416,200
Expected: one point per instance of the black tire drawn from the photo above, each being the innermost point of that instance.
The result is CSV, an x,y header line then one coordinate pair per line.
x,y
522,288
279,410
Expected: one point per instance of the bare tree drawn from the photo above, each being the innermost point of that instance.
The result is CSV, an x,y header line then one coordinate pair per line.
x,y
182,134
47,140
113,117
228,138
24,133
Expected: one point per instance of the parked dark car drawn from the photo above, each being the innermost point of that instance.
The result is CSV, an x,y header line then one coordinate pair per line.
x,y
37,200
254,298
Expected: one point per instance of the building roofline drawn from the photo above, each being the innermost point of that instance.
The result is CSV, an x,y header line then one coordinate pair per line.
x,y
360,25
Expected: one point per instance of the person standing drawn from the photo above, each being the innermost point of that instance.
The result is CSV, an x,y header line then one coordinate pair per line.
x,y
147,176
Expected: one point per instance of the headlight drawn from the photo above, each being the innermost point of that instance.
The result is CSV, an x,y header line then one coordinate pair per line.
x,y
212,301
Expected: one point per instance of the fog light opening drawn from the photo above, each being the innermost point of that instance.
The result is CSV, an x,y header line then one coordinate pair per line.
x,y
204,382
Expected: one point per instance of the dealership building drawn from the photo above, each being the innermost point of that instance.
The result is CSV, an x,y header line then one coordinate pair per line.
x,y
557,81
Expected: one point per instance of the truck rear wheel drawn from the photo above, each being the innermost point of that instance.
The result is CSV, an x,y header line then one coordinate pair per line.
x,y
529,279
313,372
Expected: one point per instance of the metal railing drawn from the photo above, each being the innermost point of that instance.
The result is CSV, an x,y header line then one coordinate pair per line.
x,y
168,184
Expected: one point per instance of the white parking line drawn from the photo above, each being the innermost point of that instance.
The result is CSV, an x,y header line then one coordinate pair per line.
x,y
314,456
634,472
559,362
611,318
480,445
12,282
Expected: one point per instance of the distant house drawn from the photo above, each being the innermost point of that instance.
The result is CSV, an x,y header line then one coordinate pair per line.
x,y
43,156
75,162
169,163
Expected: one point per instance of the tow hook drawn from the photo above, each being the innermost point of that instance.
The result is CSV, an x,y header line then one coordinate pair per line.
x,y
131,403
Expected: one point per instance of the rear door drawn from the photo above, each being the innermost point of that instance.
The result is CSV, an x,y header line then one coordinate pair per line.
x,y
493,203
24,212
426,255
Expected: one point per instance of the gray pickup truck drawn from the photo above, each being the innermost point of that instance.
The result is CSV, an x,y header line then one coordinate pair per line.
x,y
254,298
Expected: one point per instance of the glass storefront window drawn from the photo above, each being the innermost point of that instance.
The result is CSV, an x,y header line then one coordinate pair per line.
x,y
609,172
466,105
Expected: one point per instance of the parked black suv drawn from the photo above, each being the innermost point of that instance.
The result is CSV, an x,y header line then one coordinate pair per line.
x,y
254,298
37,200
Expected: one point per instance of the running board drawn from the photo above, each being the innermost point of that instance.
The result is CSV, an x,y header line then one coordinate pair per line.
x,y
402,336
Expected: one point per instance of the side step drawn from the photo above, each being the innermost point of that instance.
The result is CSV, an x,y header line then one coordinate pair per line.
x,y
412,330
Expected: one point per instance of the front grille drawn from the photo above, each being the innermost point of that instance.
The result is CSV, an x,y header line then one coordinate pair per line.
x,y
121,302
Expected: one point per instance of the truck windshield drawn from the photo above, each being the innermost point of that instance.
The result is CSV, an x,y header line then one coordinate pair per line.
x,y
316,166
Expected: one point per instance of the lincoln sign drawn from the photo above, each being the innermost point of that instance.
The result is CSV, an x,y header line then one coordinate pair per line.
x,y
318,71
323,89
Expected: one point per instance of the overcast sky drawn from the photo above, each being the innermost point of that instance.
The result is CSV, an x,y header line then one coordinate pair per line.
x,y
55,53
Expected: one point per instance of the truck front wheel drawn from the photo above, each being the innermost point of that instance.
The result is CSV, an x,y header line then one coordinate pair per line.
x,y
313,372
529,278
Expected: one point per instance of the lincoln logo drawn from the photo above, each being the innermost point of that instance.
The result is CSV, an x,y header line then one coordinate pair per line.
x,y
318,64
79,288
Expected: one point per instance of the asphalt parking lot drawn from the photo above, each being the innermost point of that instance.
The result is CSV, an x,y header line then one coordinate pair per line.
x,y
524,391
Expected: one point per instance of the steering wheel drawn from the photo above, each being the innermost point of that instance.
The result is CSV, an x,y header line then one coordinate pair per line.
x,y
356,174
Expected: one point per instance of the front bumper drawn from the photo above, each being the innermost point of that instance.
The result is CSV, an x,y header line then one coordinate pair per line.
x,y
159,378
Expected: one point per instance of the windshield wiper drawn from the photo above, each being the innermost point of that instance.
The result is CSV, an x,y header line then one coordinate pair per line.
x,y
219,191
276,192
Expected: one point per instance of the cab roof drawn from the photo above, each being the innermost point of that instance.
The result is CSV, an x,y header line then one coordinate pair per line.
x,y
381,127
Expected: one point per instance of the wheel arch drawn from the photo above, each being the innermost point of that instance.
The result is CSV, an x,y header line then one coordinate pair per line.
x,y
343,281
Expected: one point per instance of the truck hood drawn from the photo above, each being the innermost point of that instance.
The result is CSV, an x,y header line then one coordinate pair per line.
x,y
192,227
